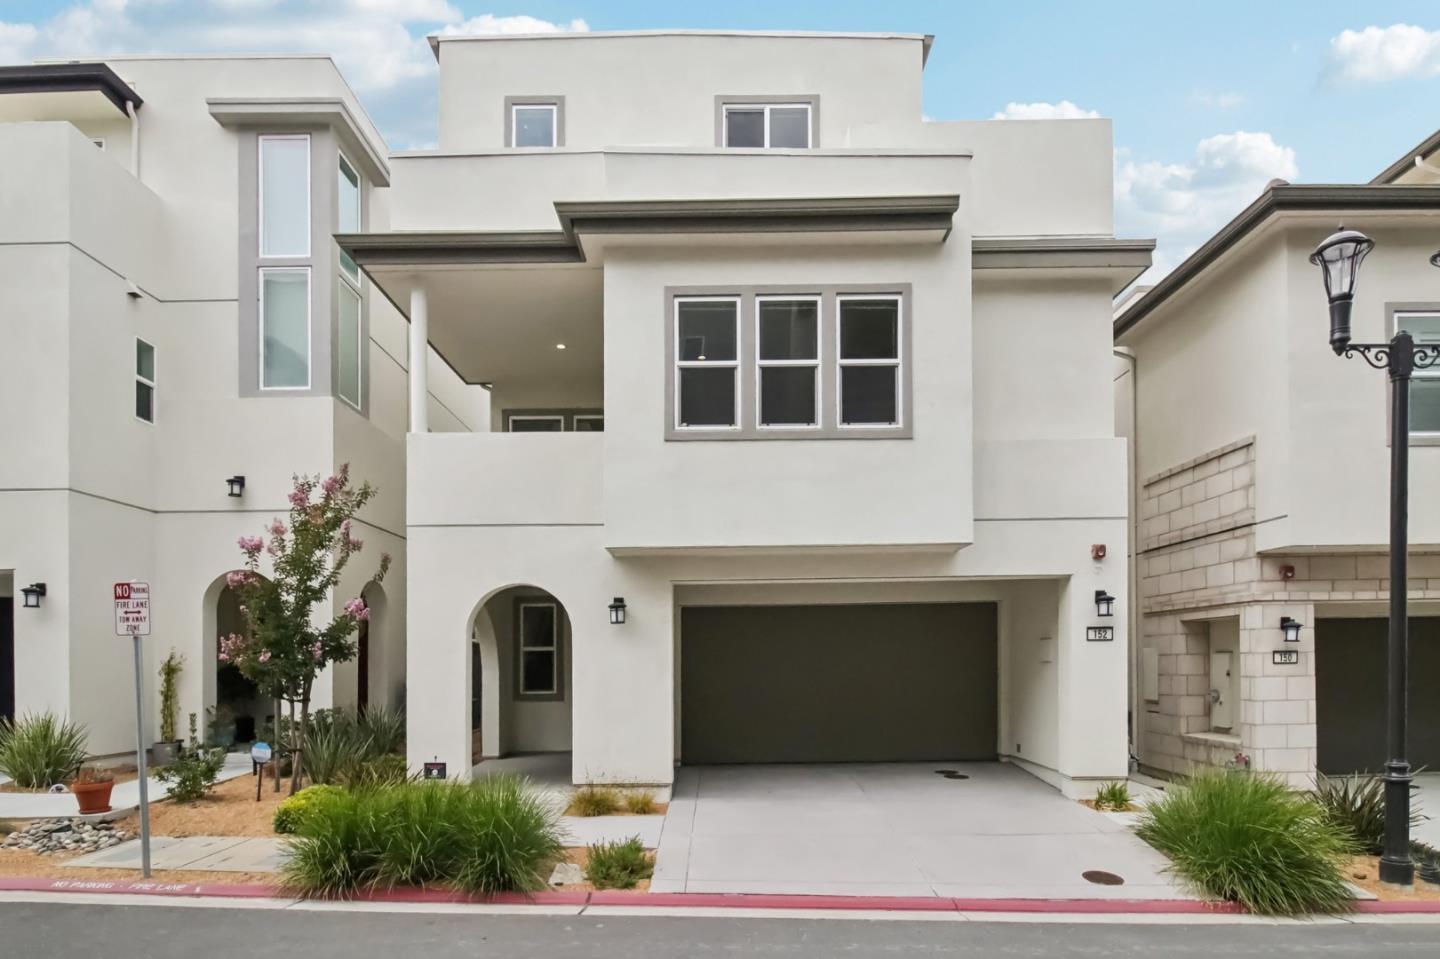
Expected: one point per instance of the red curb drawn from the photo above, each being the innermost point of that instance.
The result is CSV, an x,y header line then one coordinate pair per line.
x,y
1398,907
1098,906
739,900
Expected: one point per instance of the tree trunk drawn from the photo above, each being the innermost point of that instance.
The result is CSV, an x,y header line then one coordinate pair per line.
x,y
300,736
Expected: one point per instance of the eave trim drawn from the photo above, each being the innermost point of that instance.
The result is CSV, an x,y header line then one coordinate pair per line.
x,y
69,78
333,112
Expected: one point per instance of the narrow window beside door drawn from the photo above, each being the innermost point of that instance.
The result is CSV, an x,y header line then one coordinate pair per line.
x,y
144,381
538,625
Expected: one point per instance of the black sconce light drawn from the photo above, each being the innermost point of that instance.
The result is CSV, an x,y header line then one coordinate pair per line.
x,y
1104,603
617,611
1291,628
237,485
32,594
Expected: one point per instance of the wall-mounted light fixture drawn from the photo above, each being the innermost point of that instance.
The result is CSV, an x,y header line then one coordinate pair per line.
x,y
617,611
236,485
1104,603
32,594
1291,628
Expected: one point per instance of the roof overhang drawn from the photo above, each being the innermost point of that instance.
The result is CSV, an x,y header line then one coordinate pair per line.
x,y
1277,199
1406,163
307,113
1121,260
70,90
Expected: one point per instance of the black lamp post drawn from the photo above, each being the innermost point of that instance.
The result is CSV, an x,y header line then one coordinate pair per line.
x,y
1339,257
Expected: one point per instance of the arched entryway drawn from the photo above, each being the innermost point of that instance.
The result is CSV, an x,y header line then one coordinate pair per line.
x,y
520,689
235,709
372,669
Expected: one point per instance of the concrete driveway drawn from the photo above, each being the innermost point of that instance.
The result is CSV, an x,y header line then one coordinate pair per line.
x,y
894,829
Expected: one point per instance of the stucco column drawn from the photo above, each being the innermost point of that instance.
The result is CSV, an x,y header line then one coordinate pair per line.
x,y
419,354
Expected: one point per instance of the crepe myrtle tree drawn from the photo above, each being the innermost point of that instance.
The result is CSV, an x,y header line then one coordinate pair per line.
x,y
285,649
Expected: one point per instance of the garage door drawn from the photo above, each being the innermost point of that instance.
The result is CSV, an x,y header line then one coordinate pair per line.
x,y
874,683
1350,694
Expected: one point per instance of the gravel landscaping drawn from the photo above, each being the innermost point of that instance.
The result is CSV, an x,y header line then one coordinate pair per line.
x,y
45,836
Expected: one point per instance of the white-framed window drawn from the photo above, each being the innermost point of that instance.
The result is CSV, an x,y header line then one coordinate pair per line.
x,y
534,124
1424,326
284,188
589,422
538,633
348,212
868,365
767,125
537,423
787,360
707,362
284,328
144,381
349,304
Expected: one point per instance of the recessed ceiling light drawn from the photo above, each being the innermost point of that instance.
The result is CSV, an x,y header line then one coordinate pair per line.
x,y
559,346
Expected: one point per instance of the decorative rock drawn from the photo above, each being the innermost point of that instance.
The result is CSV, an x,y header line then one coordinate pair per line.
x,y
566,874
45,836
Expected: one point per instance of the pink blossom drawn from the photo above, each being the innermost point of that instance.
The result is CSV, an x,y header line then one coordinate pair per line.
x,y
264,656
276,528
357,610
317,650
299,497
251,544
332,483
238,577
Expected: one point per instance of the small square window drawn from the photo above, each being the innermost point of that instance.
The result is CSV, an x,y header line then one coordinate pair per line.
x,y
745,128
589,423
707,396
868,395
781,126
537,424
534,124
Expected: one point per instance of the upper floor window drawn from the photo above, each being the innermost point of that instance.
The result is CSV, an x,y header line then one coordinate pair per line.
x,y
285,195
707,360
537,122
869,360
144,381
773,125
788,358
349,339
554,421
285,328
1425,383
348,209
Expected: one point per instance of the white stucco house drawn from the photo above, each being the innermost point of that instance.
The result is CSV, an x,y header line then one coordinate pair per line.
x,y
175,314
1261,490
801,444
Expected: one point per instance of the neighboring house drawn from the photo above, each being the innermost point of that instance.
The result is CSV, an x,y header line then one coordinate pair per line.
x,y
1262,487
811,396
174,313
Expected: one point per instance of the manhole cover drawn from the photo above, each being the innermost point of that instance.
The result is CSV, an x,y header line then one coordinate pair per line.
x,y
946,772
1102,878
954,775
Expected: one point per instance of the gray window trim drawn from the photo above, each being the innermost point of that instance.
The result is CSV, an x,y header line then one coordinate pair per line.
x,y
566,414
747,427
558,102
139,379
812,100
561,634
1392,311
360,285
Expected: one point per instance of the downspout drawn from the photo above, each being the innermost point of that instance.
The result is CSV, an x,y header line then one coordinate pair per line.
x,y
1132,585
134,138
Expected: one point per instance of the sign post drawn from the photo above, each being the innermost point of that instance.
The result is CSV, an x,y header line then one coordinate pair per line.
x,y
132,618
260,754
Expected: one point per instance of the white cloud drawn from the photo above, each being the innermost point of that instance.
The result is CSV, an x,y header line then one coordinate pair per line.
x,y
1064,110
1182,204
1375,54
1222,100
489,23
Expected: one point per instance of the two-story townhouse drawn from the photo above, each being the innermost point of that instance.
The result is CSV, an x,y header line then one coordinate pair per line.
x,y
801,445
1261,488
179,334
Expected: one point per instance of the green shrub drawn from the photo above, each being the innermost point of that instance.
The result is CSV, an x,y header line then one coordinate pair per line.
x,y
380,771
595,801
493,835
1114,796
1248,838
192,775
41,749
618,865
640,803
385,728
1357,805
293,810
333,749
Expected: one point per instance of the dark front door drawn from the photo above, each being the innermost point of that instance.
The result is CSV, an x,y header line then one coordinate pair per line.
x,y
362,666
7,658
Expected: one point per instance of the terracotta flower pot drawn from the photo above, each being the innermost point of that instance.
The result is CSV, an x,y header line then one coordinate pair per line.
x,y
92,797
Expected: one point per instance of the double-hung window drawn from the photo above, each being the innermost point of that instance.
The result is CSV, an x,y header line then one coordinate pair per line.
x,y
767,125
1425,383
707,362
537,627
144,381
284,284
533,123
788,361
349,341
869,360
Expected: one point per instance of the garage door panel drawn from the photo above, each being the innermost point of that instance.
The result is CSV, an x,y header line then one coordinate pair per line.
x,y
838,683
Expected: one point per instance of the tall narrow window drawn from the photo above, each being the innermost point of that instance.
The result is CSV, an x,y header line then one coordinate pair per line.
x,y
774,125
144,381
348,343
534,124
348,209
869,360
285,195
1425,384
707,336
788,358
538,625
285,329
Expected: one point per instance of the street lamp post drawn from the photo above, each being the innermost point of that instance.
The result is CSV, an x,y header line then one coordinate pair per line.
x,y
1339,257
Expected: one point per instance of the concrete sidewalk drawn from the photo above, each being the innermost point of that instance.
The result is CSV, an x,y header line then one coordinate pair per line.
x,y
201,853
123,798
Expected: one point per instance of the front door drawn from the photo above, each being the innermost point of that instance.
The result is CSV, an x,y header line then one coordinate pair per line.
x,y
362,666
7,657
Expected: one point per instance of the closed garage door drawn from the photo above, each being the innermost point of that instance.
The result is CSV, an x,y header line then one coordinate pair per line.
x,y
1350,694
874,683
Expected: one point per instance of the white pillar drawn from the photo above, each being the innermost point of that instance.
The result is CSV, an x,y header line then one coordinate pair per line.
x,y
419,354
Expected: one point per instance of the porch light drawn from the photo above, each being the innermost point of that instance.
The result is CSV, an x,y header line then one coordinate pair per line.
x,y
1104,603
1291,628
32,594
237,485
617,611
1338,257
559,346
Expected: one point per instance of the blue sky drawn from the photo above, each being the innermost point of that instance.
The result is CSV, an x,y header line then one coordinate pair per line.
x,y
1209,101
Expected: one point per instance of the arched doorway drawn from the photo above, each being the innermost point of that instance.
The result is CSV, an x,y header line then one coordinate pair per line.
x,y
372,657
234,710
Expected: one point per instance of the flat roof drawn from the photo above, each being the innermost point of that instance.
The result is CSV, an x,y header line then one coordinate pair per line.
x,y
69,78
436,39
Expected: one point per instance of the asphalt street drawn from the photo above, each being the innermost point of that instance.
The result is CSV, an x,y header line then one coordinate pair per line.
x,y
85,931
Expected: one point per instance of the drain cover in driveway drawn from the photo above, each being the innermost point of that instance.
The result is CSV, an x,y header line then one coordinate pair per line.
x,y
946,772
1102,878
955,775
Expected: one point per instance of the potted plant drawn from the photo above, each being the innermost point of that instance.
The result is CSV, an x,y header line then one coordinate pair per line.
x,y
91,787
167,749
